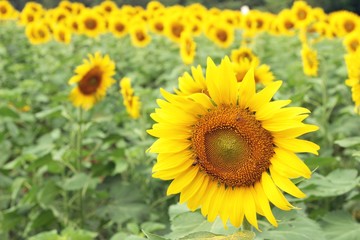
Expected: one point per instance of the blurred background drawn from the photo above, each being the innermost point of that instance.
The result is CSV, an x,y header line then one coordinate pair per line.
x,y
273,6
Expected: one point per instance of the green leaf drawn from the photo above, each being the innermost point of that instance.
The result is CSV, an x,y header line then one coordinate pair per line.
x,y
78,234
76,182
50,235
348,142
8,112
153,236
338,182
245,235
48,112
152,226
340,226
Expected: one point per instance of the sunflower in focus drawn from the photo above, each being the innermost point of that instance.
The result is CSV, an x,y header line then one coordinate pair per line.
x,y
93,78
139,35
187,48
91,23
353,81
131,102
352,42
231,150
309,60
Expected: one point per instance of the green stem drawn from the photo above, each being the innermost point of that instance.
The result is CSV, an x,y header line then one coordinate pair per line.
x,y
246,226
79,163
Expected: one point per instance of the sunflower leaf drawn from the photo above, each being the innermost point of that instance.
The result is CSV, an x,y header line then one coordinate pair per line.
x,y
339,225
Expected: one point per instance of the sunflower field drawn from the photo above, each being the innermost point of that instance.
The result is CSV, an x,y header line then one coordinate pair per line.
x,y
178,122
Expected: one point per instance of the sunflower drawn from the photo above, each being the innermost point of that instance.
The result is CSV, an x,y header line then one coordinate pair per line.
x,y
353,81
309,60
244,53
222,34
7,11
157,24
302,12
174,27
91,23
352,42
187,48
62,33
262,73
118,26
231,150
93,78
345,22
131,102
38,32
286,22
139,35
108,7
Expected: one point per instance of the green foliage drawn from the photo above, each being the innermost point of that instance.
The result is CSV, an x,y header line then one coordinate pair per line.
x,y
50,191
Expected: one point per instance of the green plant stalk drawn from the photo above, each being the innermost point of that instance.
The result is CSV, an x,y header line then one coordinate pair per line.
x,y
79,163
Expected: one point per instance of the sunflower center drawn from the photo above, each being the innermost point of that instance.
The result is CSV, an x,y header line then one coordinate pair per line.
x,y
159,27
119,27
91,81
231,146
177,29
140,35
354,45
289,25
302,14
349,26
221,35
3,10
90,23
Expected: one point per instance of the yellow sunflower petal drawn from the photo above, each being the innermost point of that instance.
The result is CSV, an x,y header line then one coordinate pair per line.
x,y
290,160
247,89
264,96
295,132
169,145
217,201
203,99
195,200
183,180
261,196
267,110
250,208
171,160
285,184
297,145
193,188
212,80
237,211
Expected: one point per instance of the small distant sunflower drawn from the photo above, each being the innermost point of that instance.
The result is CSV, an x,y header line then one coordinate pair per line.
x,y
91,23
7,11
309,60
302,12
139,35
132,103
242,54
38,32
108,6
286,22
174,27
262,73
62,33
222,34
230,150
93,78
345,22
352,42
118,26
187,48
353,81
157,24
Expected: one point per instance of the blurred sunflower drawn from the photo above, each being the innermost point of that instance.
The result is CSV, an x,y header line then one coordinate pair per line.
x,y
302,13
118,25
187,48
262,73
91,23
38,32
174,27
62,33
309,60
157,24
231,150
286,22
353,81
7,11
139,35
108,6
242,54
352,42
93,78
131,102
28,16
344,22
222,34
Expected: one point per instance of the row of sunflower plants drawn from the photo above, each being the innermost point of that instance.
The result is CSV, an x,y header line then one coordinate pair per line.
x,y
85,130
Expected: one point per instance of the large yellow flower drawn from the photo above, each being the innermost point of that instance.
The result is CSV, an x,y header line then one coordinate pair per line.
x,y
309,60
230,149
132,103
93,78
